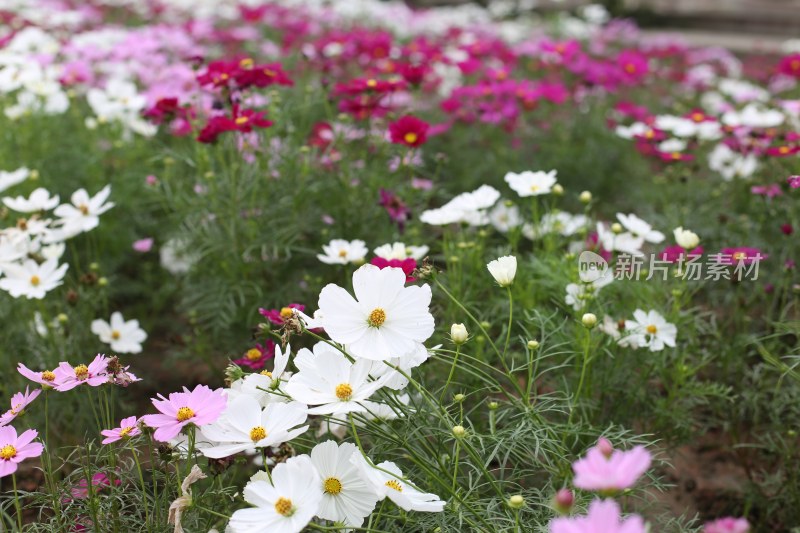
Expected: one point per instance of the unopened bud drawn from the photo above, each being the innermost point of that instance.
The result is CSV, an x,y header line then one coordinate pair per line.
x,y
533,344
493,406
563,501
516,501
459,334
585,197
458,397
558,190
605,447
102,282
459,432
63,318
616,227
589,320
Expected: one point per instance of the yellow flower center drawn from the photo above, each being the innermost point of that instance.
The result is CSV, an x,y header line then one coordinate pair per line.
x,y
675,155
286,312
223,76
246,63
266,373
124,432
269,73
372,83
332,486
284,506
651,329
410,137
698,117
184,414
35,280
84,209
740,256
342,253
394,484
241,120
783,150
253,354
534,188
115,335
81,371
630,68
344,391
377,317
48,376
8,452
258,433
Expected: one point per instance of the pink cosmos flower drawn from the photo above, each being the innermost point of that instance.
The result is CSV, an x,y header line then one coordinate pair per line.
x,y
727,525
143,245
80,491
94,375
770,191
607,469
794,182
603,517
200,406
18,404
15,449
398,211
256,357
128,427
45,378
279,316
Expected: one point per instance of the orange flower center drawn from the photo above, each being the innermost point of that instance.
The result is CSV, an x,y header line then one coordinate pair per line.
x,y
35,280
410,137
651,329
376,318
286,312
283,506
344,391
253,354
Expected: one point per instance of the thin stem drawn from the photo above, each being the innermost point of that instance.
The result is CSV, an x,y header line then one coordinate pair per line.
x,y
144,487
452,371
510,317
17,505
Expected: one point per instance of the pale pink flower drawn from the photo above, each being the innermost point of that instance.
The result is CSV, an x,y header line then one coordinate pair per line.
x,y
128,427
18,404
44,378
603,517
200,406
94,375
143,245
15,449
607,469
727,525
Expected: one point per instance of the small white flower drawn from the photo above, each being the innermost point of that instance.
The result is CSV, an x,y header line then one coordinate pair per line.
x,y
286,505
39,200
9,179
504,217
400,251
530,183
386,319
650,330
342,252
389,482
731,164
503,270
346,496
639,228
84,213
32,280
468,207
578,294
123,336
244,426
685,238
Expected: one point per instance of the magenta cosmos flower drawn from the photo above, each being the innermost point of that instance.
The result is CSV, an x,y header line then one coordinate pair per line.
x,y
94,375
15,449
19,402
607,469
255,358
279,316
603,517
128,427
45,378
200,406
742,254
727,525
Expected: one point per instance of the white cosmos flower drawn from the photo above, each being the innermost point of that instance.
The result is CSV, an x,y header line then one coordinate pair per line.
x,y
467,207
634,130
244,426
9,179
531,183
346,496
731,164
579,293
32,280
503,270
400,251
754,116
650,330
39,200
504,217
393,486
123,336
640,228
286,505
386,319
257,385
84,212
342,252
331,382
626,243
560,222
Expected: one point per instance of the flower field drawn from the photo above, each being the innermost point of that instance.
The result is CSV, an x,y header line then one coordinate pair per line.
x,y
351,266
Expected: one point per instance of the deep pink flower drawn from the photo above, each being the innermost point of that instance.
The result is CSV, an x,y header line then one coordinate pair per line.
x,y
80,491
407,265
603,517
607,469
18,404
742,254
790,65
398,211
794,182
45,378
15,449
409,130
279,316
633,64
143,245
128,427
677,253
200,406
727,525
256,357
770,191
94,375
787,229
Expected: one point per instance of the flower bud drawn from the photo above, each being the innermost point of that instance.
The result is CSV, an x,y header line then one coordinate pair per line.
x,y
516,501
102,282
685,238
459,333
459,432
493,406
458,397
485,324
589,320
616,227
563,501
62,318
605,447
585,197
558,190
533,344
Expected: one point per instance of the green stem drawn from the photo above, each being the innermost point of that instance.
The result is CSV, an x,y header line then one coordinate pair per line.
x,y
452,371
17,505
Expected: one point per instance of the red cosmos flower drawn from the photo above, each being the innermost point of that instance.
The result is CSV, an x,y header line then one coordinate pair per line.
x,y
743,254
321,135
674,157
413,74
407,265
279,316
790,65
369,85
242,74
242,121
409,130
